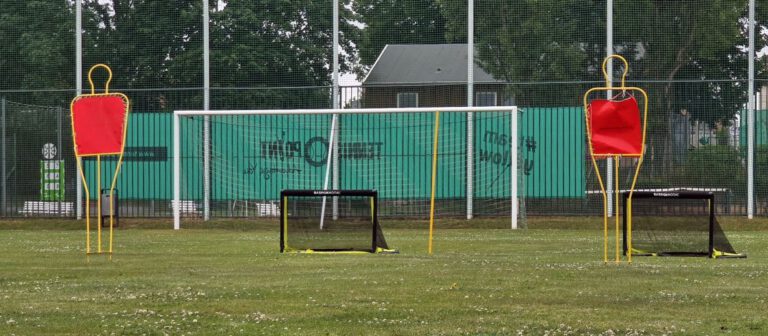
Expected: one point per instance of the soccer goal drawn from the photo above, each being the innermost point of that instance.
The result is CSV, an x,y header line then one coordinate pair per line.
x,y
457,162
307,223
669,223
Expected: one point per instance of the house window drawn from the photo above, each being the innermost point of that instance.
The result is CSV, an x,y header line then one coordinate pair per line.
x,y
486,98
407,99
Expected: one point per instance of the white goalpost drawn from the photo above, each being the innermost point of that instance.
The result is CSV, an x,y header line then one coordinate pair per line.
x,y
328,167
257,153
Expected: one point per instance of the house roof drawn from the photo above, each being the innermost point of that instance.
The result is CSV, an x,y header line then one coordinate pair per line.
x,y
424,64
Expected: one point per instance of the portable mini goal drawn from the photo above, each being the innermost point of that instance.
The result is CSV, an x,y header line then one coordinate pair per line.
x,y
675,223
309,224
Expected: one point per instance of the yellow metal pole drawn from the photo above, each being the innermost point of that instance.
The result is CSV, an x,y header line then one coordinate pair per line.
x,y
605,227
629,228
112,201
616,212
434,173
637,173
117,168
98,200
87,207
285,223
111,221
603,192
373,220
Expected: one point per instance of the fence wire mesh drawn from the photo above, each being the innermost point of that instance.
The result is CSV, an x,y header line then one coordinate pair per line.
x,y
691,57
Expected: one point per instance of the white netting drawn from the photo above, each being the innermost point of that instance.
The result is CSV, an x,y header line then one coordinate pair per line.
x,y
254,157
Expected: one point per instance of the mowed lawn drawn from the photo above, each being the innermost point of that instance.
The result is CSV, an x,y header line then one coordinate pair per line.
x,y
232,281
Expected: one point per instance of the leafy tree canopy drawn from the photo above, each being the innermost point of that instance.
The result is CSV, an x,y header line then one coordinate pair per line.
x,y
686,53
158,45
398,22
38,45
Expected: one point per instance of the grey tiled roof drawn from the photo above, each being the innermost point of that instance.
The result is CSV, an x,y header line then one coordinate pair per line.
x,y
424,64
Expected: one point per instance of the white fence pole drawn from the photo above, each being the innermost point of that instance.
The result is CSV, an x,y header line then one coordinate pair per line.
x,y
609,68
176,173
207,119
333,147
470,102
4,159
514,167
751,115
78,91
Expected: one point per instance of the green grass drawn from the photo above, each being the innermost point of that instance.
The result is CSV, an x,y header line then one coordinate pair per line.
x,y
231,280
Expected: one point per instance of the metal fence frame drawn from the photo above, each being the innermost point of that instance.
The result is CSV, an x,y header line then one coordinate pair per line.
x,y
338,92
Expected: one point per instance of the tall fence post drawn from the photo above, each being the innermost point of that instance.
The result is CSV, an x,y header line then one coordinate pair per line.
x,y
59,152
609,94
176,203
470,102
337,105
78,91
751,115
206,119
514,191
3,159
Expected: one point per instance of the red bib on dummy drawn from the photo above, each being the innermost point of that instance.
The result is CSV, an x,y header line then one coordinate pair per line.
x,y
614,127
98,122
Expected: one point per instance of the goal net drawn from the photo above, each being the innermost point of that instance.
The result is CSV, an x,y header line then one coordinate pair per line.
x,y
236,163
308,225
674,223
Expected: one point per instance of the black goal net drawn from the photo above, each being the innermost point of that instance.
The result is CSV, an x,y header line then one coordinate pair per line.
x,y
330,221
674,223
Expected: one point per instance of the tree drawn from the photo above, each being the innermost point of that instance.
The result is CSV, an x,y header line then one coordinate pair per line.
x,y
263,53
149,45
555,45
38,43
684,53
689,54
698,58
399,22
281,50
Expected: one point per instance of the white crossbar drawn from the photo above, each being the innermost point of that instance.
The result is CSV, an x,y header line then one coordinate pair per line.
x,y
346,111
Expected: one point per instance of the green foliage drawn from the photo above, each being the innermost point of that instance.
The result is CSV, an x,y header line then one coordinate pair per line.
x,y
700,41
276,43
265,43
715,166
563,41
761,167
37,38
155,47
536,41
143,43
398,22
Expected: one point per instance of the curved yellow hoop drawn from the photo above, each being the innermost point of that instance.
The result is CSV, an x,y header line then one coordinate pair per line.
x,y
109,79
608,76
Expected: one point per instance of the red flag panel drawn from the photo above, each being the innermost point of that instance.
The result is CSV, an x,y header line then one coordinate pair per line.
x,y
615,127
99,124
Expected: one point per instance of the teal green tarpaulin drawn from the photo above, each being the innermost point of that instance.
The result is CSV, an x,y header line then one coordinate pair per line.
x,y
254,157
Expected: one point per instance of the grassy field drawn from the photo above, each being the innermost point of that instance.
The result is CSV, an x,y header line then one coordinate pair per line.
x,y
230,280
